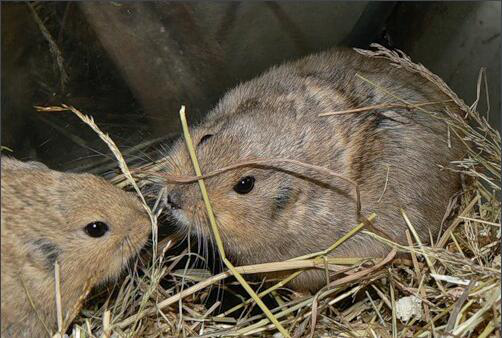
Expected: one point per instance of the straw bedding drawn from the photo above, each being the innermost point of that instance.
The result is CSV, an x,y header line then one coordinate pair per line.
x,y
448,288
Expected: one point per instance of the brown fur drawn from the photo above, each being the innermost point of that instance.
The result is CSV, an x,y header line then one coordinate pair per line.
x,y
276,116
44,213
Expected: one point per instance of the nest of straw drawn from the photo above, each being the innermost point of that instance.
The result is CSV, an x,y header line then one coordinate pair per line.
x,y
448,288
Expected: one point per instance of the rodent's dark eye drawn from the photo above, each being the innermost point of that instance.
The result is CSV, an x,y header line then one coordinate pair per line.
x,y
244,185
96,229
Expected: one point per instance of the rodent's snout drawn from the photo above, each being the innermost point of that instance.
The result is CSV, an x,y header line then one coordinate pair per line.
x,y
177,203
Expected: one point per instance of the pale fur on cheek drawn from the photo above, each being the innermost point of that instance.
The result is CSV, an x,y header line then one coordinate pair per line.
x,y
181,217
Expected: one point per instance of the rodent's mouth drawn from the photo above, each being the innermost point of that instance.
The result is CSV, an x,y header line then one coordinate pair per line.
x,y
179,217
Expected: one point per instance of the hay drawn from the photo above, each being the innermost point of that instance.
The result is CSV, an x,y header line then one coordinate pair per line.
x,y
451,287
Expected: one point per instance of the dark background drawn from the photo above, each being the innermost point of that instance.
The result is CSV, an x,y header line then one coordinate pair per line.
x,y
131,65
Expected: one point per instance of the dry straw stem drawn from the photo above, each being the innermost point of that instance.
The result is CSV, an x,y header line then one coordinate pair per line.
x,y
106,324
70,315
394,316
53,47
32,304
66,132
2,148
458,220
216,233
401,60
417,238
478,317
57,286
264,162
407,104
458,307
383,106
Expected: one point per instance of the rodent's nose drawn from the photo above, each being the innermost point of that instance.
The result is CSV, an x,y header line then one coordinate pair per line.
x,y
174,200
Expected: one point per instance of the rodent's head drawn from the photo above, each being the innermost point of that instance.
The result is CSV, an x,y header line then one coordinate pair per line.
x,y
94,229
263,213
108,226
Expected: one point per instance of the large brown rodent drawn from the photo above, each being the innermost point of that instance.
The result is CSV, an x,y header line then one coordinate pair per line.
x,y
91,228
265,214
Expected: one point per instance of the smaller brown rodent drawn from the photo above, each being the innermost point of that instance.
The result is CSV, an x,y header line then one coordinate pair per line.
x,y
91,228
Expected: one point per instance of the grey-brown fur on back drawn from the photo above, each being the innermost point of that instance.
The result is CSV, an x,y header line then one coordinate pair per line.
x,y
276,116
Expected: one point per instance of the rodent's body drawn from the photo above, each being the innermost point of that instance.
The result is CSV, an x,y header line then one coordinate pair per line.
x,y
393,153
43,215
